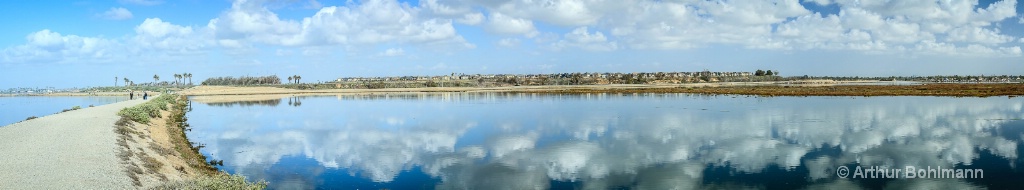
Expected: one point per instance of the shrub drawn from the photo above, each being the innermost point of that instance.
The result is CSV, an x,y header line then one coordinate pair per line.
x,y
30,118
143,112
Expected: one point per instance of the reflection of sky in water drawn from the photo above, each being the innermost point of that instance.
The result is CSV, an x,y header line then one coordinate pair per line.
x,y
17,108
650,141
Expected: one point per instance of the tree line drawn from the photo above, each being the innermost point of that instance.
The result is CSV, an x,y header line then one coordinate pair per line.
x,y
244,80
179,79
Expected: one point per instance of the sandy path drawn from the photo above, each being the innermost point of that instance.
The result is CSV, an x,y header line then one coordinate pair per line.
x,y
70,150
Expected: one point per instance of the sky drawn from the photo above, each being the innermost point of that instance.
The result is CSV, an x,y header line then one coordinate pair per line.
x,y
49,43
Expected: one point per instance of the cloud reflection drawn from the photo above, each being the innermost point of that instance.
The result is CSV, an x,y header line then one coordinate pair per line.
x,y
646,141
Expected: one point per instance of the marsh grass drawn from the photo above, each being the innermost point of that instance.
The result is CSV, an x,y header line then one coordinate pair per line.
x,y
219,181
31,118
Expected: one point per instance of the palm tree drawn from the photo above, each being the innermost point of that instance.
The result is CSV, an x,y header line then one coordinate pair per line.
x,y
115,81
156,79
189,75
289,79
126,82
298,79
176,77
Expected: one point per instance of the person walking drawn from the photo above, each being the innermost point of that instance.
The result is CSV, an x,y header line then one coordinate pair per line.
x,y
131,95
145,95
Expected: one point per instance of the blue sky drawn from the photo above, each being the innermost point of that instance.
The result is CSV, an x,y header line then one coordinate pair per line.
x,y
88,43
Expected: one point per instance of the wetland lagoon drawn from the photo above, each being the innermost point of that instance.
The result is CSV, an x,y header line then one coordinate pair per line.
x,y
612,141
16,108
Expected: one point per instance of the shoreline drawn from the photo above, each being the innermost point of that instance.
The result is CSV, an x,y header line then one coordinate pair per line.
x,y
156,154
102,148
70,94
858,88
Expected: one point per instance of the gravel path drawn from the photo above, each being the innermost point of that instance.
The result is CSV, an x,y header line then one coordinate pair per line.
x,y
70,150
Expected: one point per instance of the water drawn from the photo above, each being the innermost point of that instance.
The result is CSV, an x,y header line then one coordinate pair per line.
x,y
602,141
17,108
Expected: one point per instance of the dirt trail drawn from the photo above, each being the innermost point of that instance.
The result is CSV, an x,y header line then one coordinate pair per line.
x,y
70,150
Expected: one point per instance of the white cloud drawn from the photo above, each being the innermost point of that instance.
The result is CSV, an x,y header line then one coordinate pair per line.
x,y
978,35
141,2
509,42
250,20
392,52
154,27
48,46
820,2
374,21
582,38
883,27
500,24
116,13
156,34
446,7
564,12
459,10
856,18
471,19
754,12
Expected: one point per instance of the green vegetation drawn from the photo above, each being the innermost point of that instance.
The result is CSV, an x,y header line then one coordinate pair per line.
x,y
245,80
221,181
72,109
30,118
143,112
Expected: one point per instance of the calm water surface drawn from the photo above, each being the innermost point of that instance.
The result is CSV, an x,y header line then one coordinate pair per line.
x,y
17,108
602,141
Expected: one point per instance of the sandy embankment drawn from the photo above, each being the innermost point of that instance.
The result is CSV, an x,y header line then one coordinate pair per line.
x,y
70,150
